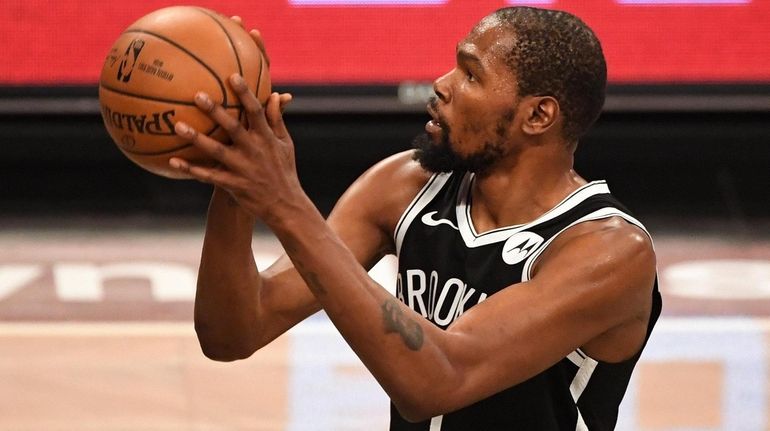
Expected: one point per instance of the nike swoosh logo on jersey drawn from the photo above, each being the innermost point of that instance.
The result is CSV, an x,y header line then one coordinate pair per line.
x,y
429,220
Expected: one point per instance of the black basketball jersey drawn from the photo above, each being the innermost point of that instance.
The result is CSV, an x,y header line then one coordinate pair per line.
x,y
445,267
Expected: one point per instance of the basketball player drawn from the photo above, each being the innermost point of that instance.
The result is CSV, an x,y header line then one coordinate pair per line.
x,y
525,293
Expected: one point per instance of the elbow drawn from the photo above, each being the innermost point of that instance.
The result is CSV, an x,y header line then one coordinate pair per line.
x,y
415,411
414,414
223,349
223,353
427,394
418,405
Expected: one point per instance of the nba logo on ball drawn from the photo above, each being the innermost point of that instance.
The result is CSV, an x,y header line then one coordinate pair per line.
x,y
129,60
153,71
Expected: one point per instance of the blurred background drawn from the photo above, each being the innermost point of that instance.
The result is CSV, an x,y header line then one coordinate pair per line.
x,y
98,257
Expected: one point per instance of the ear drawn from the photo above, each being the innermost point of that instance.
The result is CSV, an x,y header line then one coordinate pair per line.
x,y
541,114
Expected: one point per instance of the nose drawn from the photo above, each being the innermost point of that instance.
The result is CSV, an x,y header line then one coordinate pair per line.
x,y
441,87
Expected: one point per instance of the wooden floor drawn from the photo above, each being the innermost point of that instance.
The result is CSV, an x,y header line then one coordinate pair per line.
x,y
96,334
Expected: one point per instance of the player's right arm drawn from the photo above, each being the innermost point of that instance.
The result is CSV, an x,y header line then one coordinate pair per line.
x,y
239,309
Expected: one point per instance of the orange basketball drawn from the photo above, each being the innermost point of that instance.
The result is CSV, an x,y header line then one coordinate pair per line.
x,y
153,71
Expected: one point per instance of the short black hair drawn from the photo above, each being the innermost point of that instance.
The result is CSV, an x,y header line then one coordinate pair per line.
x,y
556,54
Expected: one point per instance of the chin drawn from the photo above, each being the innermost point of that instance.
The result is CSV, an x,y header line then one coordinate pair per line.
x,y
434,154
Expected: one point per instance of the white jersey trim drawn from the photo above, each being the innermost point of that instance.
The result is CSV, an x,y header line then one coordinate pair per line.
x,y
580,381
586,369
435,423
420,201
473,239
586,365
606,212
581,424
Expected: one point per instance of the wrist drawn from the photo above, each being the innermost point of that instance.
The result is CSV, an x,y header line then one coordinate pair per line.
x,y
226,210
223,199
284,214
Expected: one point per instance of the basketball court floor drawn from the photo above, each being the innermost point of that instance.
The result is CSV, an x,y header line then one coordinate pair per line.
x,y
96,333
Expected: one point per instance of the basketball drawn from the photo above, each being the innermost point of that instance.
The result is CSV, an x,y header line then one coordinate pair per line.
x,y
152,72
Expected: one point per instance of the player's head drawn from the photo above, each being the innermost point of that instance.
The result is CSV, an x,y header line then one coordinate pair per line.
x,y
520,72
557,54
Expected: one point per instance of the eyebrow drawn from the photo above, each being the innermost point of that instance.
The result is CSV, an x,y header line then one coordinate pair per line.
x,y
464,54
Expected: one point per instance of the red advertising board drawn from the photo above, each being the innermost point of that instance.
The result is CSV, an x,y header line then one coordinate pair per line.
x,y
390,41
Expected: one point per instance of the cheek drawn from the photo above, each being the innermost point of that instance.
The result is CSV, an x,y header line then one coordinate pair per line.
x,y
504,123
478,125
467,119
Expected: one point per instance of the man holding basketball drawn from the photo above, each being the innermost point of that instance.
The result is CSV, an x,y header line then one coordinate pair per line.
x,y
525,294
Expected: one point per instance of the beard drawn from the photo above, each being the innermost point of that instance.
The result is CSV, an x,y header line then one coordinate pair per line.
x,y
440,157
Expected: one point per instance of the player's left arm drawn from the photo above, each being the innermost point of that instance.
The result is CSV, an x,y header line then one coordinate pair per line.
x,y
592,290
596,279
593,281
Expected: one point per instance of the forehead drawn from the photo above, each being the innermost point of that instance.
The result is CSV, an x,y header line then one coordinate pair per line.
x,y
490,41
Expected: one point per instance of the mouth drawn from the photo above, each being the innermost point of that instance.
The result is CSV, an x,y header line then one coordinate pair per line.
x,y
433,126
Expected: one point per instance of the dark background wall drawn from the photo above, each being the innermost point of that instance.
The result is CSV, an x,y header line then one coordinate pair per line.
x,y
673,153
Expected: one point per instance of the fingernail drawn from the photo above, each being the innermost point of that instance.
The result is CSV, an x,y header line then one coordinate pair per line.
x,y
182,128
175,163
238,80
203,98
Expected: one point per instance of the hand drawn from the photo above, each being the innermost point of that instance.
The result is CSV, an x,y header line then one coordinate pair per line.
x,y
258,168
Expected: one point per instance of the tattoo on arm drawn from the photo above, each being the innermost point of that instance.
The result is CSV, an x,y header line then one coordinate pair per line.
x,y
314,283
395,321
310,277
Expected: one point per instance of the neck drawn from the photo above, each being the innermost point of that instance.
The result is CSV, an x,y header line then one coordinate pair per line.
x,y
523,187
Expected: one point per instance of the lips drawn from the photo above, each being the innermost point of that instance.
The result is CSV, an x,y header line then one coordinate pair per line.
x,y
434,125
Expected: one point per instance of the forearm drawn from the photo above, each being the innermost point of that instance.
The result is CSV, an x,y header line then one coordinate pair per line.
x,y
226,300
404,352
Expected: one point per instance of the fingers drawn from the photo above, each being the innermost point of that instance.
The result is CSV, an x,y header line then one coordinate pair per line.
x,y
214,176
252,107
230,124
209,146
257,36
285,99
275,116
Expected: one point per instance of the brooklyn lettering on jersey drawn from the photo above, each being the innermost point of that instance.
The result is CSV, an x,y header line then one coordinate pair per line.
x,y
440,301
446,268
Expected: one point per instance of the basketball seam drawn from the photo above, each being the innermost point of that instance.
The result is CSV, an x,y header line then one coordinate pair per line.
x,y
232,46
229,38
202,63
156,99
167,40
158,153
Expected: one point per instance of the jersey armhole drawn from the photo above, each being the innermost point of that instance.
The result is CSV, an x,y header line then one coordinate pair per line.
x,y
420,201
603,213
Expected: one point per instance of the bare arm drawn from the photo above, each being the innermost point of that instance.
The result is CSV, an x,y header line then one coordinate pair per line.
x,y
239,309
426,371
577,296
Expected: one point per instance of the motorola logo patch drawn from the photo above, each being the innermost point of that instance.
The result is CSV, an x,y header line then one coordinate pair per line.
x,y
520,246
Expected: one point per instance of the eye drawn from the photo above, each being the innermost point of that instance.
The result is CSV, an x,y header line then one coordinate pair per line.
x,y
471,77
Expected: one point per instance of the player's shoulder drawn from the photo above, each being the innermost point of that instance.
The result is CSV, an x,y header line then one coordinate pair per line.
x,y
394,178
400,167
611,240
384,191
615,233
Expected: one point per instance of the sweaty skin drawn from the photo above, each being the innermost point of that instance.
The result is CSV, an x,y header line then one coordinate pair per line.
x,y
580,298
